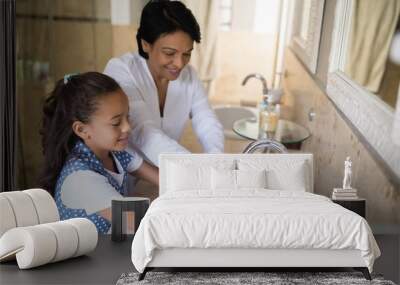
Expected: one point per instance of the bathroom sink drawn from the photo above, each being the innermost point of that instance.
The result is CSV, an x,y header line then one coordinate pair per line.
x,y
227,115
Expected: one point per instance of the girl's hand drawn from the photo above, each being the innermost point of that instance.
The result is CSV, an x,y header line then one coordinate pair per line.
x,y
147,172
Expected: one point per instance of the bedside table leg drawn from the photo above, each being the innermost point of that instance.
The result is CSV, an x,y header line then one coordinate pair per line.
x,y
116,221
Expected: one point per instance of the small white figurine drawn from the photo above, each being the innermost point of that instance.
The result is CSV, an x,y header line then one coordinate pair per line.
x,y
347,174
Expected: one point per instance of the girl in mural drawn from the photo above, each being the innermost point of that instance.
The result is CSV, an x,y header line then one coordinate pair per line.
x,y
84,136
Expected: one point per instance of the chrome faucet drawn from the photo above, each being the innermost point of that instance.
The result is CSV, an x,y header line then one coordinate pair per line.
x,y
267,144
260,77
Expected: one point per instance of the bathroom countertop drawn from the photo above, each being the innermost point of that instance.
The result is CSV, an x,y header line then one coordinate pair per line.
x,y
102,266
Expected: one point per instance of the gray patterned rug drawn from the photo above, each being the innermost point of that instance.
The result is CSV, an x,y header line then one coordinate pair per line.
x,y
243,278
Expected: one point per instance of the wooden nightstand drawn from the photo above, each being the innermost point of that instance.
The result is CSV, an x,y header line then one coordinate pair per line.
x,y
139,205
356,205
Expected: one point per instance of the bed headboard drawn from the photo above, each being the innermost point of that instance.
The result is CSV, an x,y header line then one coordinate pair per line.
x,y
234,160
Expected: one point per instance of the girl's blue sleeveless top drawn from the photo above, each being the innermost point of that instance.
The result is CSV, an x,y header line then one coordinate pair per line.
x,y
82,158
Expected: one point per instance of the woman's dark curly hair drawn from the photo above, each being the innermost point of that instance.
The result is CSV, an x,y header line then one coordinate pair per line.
x,y
165,17
73,99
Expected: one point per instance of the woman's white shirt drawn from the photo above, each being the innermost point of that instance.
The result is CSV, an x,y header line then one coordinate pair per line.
x,y
186,98
91,191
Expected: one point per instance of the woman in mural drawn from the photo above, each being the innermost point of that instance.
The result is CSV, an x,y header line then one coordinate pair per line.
x,y
163,90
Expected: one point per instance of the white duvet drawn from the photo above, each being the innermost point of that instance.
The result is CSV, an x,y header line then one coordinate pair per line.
x,y
250,219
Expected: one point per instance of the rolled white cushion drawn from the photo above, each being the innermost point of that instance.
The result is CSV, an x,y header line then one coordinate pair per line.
x,y
45,206
40,244
67,240
7,218
23,208
33,246
87,235
26,208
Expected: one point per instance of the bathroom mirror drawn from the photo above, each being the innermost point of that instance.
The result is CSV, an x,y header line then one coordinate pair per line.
x,y
357,73
307,31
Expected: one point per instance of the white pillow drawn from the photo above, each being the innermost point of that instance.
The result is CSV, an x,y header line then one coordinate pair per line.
x,y
183,177
282,174
192,174
293,178
223,179
251,178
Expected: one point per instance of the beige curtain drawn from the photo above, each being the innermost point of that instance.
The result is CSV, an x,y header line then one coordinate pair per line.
x,y
204,54
396,122
373,27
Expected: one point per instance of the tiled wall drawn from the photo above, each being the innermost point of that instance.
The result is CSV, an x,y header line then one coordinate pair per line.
x,y
239,54
332,140
53,38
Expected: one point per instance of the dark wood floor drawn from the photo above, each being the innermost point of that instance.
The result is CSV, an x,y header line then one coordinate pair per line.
x,y
110,260
388,239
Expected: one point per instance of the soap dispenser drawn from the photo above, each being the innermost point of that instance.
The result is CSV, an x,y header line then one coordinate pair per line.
x,y
269,116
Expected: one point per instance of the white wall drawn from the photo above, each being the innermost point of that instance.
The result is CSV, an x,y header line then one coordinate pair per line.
x,y
258,16
126,12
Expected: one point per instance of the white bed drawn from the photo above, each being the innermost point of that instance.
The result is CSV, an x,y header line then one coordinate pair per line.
x,y
247,210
